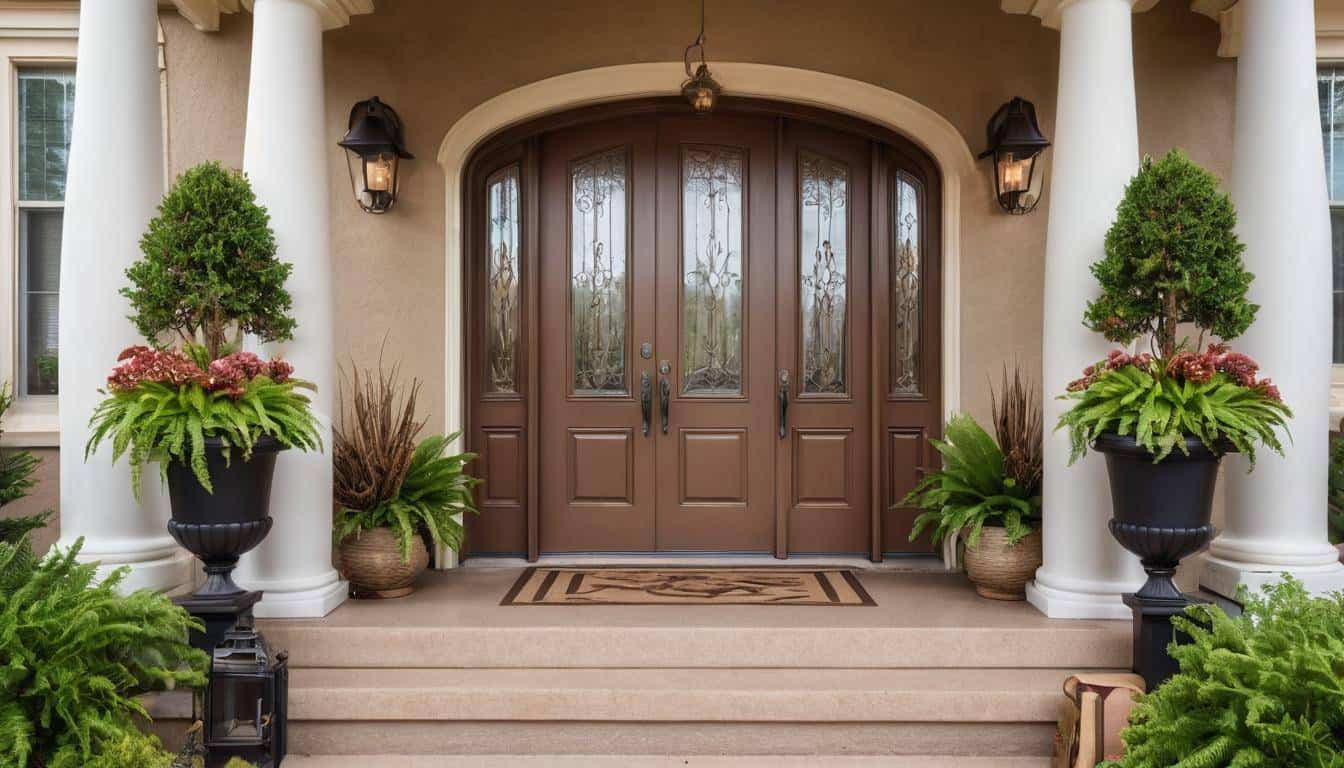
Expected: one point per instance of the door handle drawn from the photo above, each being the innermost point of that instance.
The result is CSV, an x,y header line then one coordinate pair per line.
x,y
783,403
664,400
646,400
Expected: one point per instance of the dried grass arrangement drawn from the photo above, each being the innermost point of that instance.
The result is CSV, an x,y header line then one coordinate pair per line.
x,y
373,442
1019,428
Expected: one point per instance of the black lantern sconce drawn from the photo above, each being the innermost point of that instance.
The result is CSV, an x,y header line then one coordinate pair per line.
x,y
246,701
374,149
1016,143
700,87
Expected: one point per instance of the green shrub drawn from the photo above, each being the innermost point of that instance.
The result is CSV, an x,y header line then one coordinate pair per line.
x,y
1265,689
1336,492
209,266
972,489
74,654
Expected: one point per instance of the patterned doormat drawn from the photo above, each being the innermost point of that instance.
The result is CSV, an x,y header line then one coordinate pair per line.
x,y
687,586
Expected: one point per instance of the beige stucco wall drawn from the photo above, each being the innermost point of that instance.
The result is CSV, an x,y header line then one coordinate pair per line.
x,y
434,61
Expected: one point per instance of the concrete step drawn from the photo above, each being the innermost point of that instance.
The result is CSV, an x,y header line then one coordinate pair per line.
x,y
1072,644
677,695
659,761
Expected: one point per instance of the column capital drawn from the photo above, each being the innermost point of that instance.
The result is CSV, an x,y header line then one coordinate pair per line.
x,y
204,14
1049,11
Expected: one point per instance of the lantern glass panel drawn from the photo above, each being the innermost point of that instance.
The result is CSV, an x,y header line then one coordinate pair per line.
x,y
238,710
1015,172
380,172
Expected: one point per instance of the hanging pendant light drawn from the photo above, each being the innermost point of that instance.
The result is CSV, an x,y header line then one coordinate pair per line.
x,y
700,88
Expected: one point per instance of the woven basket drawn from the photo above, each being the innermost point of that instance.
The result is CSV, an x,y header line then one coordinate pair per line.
x,y
1000,571
372,562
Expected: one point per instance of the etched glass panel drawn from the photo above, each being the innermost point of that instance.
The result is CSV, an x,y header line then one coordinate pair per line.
x,y
598,273
824,263
502,317
711,254
905,286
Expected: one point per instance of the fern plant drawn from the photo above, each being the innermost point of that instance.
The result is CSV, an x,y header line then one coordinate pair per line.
x,y
1335,476
1136,396
162,406
435,489
74,655
1263,690
972,489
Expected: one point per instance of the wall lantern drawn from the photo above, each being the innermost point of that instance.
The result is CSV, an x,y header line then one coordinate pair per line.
x,y
1015,142
700,88
374,148
246,701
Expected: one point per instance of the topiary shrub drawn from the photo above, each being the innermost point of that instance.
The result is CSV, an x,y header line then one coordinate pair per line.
x,y
1263,690
210,268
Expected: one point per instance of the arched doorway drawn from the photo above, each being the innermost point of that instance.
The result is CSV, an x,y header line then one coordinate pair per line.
x,y
706,334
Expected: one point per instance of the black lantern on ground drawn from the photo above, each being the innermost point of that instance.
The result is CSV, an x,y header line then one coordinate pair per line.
x,y
700,88
374,149
1016,143
246,701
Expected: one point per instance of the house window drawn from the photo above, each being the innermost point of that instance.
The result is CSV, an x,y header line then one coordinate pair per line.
x,y
46,100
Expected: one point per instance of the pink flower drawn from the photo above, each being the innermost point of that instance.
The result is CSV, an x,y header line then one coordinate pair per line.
x,y
1240,367
1267,388
163,366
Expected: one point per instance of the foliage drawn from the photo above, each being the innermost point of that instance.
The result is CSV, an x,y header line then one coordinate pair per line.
x,y
1018,428
1336,494
162,406
209,266
16,466
1172,256
74,654
1263,689
1213,397
435,489
972,489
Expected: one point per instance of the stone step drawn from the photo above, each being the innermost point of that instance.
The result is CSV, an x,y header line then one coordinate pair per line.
x,y
1073,645
677,695
660,761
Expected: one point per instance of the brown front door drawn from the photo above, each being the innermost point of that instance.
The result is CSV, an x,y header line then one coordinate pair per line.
x,y
702,334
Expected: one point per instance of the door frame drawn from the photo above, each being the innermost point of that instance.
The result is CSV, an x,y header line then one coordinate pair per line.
x,y
949,150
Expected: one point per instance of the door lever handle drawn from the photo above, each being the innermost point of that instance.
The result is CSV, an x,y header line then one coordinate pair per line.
x,y
783,403
664,400
646,400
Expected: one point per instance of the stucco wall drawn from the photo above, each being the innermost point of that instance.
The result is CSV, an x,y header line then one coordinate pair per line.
x,y
434,61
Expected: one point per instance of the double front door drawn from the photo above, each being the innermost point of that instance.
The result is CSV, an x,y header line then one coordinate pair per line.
x,y
704,368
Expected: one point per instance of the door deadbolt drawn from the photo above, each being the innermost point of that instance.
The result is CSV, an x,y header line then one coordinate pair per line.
x,y
646,350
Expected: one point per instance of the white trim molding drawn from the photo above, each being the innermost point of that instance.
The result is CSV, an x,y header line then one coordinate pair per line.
x,y
1049,11
204,14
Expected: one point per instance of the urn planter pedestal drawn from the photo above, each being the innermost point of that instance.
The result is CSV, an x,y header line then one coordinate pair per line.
x,y
1160,512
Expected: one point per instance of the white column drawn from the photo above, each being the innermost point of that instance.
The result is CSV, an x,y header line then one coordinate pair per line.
x,y
1096,152
285,155
1276,516
115,180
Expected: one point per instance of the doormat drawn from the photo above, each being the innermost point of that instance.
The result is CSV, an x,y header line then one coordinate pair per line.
x,y
687,586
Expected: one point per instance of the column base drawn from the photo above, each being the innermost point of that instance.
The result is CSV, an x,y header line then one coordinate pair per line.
x,y
171,573
310,603
1070,604
445,559
1222,577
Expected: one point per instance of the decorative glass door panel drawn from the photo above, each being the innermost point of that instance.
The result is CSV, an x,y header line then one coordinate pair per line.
x,y
598,235
905,286
823,257
502,279
711,252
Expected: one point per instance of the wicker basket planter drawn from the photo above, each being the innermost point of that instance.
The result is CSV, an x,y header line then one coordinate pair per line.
x,y
1000,571
372,562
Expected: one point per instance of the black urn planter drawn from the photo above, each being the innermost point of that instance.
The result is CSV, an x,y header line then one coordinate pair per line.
x,y
219,527
1160,512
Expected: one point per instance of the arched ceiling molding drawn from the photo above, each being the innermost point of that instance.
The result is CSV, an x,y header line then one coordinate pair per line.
x,y
204,14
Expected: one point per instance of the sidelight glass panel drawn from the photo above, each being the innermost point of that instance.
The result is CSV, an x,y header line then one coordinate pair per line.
x,y
711,254
503,318
905,285
823,261
598,236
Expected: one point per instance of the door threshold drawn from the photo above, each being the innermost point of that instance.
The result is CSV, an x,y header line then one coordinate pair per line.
x,y
901,563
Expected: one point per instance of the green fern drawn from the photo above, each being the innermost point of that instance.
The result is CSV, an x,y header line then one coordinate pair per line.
x,y
971,490
436,489
74,654
1158,411
1263,689
160,423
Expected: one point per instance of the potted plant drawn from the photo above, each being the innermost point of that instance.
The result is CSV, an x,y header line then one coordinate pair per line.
x,y
1165,418
211,416
1335,501
989,492
390,491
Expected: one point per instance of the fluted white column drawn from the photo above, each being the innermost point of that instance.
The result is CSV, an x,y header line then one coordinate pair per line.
x,y
1096,152
115,180
285,155
1276,516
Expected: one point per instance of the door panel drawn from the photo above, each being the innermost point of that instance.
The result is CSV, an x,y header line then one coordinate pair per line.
x,y
597,286
716,266
822,298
